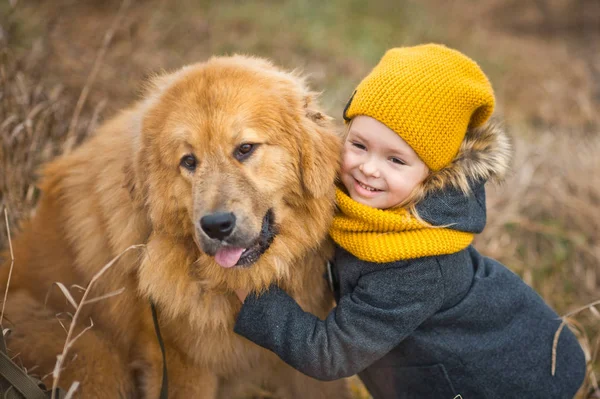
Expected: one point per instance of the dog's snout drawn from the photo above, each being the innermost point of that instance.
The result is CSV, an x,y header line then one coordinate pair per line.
x,y
218,225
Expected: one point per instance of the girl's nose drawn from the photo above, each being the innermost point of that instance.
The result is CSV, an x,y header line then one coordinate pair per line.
x,y
369,169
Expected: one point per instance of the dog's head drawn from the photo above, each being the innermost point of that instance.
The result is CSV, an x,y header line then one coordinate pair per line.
x,y
236,155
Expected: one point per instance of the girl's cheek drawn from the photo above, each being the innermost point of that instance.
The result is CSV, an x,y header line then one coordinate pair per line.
x,y
346,150
346,161
344,164
345,154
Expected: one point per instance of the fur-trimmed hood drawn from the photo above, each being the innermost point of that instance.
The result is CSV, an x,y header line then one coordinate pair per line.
x,y
485,154
455,196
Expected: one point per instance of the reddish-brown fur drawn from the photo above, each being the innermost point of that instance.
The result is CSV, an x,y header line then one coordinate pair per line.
x,y
124,186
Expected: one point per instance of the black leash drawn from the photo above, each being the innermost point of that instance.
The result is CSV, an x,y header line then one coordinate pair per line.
x,y
164,389
16,384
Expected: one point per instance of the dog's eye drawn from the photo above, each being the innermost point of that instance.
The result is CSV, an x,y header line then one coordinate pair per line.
x,y
189,162
244,151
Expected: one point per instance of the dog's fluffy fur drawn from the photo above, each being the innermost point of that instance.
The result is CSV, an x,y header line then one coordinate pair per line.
x,y
127,185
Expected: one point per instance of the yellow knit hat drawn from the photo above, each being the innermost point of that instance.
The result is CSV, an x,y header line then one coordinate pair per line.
x,y
429,95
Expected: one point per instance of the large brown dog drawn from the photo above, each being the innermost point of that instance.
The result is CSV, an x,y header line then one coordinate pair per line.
x,y
225,172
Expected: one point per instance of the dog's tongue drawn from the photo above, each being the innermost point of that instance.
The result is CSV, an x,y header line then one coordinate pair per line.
x,y
228,256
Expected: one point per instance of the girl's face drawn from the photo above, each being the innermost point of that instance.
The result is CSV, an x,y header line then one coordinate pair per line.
x,y
379,168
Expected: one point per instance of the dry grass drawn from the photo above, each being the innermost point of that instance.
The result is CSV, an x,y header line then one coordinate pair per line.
x,y
33,126
544,222
70,340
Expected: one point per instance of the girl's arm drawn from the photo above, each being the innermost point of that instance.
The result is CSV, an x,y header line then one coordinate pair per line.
x,y
384,308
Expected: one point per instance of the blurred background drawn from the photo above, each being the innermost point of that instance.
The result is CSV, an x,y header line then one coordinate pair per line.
x,y
65,66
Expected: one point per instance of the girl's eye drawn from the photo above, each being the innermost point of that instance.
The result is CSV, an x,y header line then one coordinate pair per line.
x,y
189,162
397,161
244,151
359,146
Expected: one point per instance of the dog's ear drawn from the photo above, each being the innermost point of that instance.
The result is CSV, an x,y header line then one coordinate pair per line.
x,y
313,114
320,151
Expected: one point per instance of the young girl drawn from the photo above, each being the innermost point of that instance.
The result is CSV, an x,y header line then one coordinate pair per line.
x,y
420,313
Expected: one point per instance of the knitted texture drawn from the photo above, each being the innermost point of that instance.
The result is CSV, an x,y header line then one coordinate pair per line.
x,y
429,95
382,236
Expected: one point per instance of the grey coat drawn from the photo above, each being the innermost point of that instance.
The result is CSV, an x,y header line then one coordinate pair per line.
x,y
432,327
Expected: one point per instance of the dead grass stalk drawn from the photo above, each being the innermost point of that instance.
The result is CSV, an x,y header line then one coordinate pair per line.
x,y
12,263
60,359
71,137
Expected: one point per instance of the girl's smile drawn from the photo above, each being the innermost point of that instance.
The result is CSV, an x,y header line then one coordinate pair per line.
x,y
379,168
365,190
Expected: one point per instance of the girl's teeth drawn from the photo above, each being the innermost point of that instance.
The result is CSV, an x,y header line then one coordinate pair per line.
x,y
367,187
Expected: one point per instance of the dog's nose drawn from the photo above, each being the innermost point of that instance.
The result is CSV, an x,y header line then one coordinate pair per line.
x,y
218,225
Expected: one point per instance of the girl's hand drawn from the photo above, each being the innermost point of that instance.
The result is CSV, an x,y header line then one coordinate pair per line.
x,y
241,294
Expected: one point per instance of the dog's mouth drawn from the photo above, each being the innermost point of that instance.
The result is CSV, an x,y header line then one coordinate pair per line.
x,y
233,256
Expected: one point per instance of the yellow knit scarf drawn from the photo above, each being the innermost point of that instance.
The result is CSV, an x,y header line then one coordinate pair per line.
x,y
381,236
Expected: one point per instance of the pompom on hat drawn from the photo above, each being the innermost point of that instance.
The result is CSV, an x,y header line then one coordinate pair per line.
x,y
428,94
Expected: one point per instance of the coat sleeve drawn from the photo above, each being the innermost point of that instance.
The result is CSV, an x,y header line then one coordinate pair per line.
x,y
384,308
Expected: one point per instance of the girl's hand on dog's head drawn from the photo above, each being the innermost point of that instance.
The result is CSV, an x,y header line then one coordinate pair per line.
x,y
241,294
